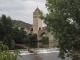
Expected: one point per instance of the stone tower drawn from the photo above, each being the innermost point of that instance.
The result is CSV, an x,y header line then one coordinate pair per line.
x,y
37,22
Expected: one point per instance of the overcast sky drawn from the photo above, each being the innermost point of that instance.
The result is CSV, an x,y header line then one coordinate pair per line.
x,y
21,9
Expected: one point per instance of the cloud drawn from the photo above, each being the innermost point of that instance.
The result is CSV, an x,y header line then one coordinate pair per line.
x,y
21,9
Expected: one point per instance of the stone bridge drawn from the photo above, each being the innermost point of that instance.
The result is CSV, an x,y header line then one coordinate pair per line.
x,y
52,40
41,33
39,30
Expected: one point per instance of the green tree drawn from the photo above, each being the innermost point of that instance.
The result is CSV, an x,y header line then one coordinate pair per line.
x,y
19,35
6,30
32,39
7,24
1,30
5,39
5,54
63,18
45,40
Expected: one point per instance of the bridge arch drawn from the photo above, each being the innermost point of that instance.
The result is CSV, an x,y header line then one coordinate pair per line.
x,y
39,30
52,40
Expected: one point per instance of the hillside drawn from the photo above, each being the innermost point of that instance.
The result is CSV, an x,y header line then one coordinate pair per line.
x,y
18,23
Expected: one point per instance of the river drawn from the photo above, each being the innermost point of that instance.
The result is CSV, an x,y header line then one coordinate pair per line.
x,y
43,54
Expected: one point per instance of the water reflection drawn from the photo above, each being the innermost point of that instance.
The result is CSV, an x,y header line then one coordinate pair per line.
x,y
37,57
43,56
39,44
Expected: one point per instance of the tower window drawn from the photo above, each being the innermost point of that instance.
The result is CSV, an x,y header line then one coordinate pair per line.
x,y
39,28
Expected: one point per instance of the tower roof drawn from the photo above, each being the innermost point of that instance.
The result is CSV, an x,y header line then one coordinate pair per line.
x,y
37,9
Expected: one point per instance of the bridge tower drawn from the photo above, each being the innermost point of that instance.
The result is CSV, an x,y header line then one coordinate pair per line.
x,y
37,22
37,28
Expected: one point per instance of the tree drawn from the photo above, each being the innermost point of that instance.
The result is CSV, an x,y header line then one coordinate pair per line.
x,y
5,54
32,40
1,31
6,31
45,40
63,18
7,24
5,39
19,35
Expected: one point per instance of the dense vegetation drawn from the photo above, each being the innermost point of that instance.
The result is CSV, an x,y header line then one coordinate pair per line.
x,y
63,19
6,55
6,38
45,41
10,35
18,23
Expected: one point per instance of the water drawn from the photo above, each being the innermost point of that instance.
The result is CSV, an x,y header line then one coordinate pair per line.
x,y
43,54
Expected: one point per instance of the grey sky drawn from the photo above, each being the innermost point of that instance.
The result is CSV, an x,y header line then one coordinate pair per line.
x,y
21,9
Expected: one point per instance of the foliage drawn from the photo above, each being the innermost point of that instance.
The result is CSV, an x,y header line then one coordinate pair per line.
x,y
11,35
18,23
5,26
45,40
19,35
12,45
32,40
5,39
6,30
63,18
5,54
